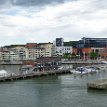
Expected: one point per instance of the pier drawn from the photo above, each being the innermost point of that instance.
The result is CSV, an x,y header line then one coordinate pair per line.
x,y
32,75
98,85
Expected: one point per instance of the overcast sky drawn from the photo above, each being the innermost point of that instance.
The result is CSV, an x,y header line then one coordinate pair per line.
x,y
23,21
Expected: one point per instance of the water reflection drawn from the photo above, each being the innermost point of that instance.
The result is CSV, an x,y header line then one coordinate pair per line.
x,y
93,91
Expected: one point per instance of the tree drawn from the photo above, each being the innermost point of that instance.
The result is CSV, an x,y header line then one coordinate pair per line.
x,y
70,56
94,55
65,55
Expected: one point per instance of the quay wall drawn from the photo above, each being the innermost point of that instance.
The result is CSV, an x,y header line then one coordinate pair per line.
x,y
11,66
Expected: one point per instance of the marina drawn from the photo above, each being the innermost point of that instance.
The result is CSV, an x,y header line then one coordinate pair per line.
x,y
28,71
84,70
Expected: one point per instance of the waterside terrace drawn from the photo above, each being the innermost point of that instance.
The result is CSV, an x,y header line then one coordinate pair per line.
x,y
9,62
79,61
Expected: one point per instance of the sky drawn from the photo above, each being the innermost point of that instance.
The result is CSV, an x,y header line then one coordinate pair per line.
x,y
26,21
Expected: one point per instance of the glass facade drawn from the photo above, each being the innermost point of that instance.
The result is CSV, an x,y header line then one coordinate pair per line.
x,y
91,42
59,42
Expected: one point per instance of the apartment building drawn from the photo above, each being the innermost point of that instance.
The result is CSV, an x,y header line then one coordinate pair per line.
x,y
13,56
6,55
35,53
59,49
39,50
19,50
30,51
47,49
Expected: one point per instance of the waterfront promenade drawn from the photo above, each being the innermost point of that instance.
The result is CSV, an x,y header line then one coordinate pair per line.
x,y
80,61
2,62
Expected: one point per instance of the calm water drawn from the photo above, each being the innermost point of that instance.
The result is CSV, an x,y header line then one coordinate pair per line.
x,y
53,91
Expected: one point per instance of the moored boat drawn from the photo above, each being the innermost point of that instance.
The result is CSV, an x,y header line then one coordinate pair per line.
x,y
84,70
102,67
79,70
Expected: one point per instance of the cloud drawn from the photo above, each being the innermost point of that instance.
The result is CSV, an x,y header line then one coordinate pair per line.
x,y
30,2
24,21
35,2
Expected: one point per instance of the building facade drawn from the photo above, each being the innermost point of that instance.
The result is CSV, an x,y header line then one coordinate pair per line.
x,y
59,42
85,46
40,50
34,53
6,55
47,49
59,49
20,50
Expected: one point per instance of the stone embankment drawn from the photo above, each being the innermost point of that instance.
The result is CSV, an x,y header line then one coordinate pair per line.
x,y
98,85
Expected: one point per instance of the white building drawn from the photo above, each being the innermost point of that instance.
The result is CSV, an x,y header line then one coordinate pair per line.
x,y
59,49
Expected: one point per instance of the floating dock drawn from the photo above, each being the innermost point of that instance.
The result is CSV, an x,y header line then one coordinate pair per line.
x,y
32,75
98,85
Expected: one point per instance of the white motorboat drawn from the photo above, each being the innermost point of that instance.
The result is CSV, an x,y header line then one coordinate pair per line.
x,y
91,69
84,70
60,67
104,62
80,70
102,67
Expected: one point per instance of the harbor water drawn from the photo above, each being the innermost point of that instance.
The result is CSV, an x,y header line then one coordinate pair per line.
x,y
65,90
